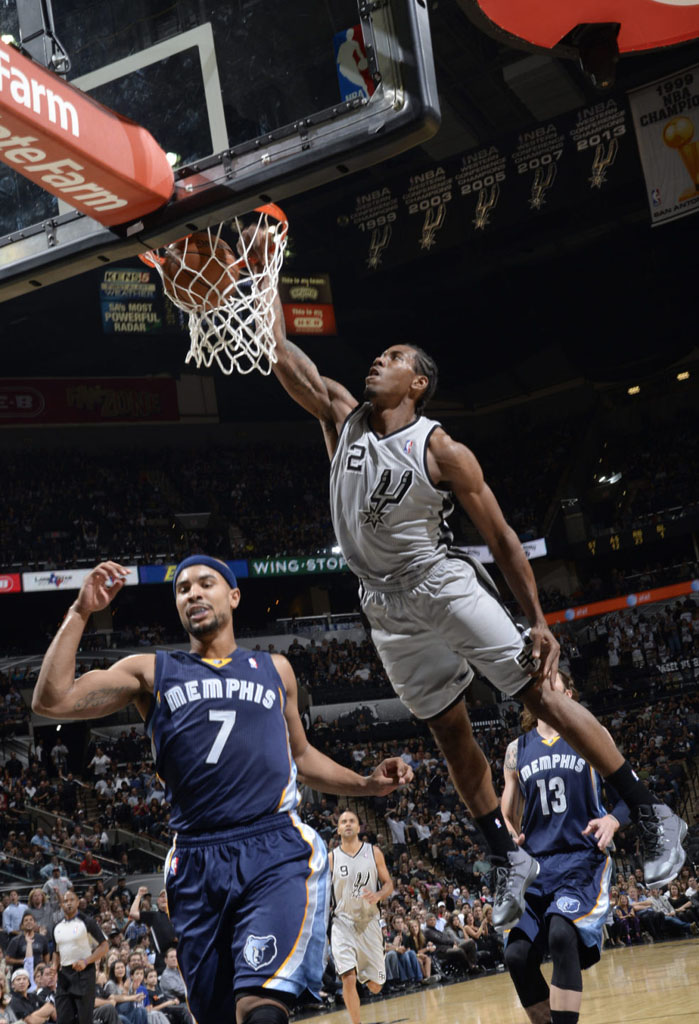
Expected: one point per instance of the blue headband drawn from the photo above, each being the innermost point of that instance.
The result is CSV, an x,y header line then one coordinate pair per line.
x,y
213,563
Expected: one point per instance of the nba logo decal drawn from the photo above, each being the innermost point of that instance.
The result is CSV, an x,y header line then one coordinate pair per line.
x,y
655,197
568,906
174,863
252,663
260,950
408,447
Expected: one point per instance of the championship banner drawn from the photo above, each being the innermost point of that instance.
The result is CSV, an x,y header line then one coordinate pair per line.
x,y
616,604
10,583
666,119
81,400
132,302
299,566
570,160
308,303
166,573
66,579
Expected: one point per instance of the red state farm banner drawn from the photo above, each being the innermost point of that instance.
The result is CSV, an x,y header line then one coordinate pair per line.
x,y
308,303
645,24
10,583
616,604
79,400
99,162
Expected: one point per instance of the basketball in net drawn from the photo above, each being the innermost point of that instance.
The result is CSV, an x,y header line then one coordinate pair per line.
x,y
199,273
229,293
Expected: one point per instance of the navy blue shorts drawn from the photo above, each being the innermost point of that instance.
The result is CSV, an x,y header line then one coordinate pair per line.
x,y
250,908
575,886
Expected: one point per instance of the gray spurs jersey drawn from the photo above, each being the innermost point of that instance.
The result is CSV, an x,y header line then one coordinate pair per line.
x,y
389,518
353,876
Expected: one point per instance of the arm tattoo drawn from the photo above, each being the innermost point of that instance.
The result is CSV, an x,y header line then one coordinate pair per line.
x,y
100,698
511,757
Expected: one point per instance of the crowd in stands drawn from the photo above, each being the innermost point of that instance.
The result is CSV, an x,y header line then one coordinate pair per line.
x,y
270,500
437,923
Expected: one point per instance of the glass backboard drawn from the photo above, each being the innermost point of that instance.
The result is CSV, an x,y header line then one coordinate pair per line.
x,y
254,100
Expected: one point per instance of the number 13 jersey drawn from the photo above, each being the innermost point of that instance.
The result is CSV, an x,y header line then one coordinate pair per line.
x,y
219,738
562,792
387,514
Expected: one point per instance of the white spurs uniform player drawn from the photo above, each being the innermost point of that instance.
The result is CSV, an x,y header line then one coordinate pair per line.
x,y
435,615
356,940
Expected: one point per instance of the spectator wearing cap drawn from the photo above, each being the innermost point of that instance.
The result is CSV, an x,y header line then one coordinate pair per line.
x,y
58,884
26,1005
13,913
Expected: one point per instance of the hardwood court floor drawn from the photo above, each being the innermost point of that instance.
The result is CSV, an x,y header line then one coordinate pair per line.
x,y
641,985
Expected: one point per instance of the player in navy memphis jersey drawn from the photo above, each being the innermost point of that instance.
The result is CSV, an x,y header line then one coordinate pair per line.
x,y
247,881
552,803
435,614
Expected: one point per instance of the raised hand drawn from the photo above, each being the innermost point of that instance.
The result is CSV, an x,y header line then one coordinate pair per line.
x,y
101,586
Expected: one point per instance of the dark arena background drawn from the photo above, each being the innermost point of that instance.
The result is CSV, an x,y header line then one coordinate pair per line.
x,y
527,248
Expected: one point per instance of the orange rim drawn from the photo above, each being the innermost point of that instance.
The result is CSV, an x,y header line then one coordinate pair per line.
x,y
151,258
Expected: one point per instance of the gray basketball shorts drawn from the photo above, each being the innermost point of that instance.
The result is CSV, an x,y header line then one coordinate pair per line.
x,y
431,637
358,948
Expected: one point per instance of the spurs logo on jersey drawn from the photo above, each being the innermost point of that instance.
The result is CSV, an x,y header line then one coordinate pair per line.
x,y
387,513
359,884
382,497
353,877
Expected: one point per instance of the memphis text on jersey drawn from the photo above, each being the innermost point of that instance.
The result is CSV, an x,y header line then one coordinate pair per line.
x,y
547,762
179,695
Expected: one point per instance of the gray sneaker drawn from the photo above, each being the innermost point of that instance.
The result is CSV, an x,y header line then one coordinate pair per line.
x,y
661,833
513,880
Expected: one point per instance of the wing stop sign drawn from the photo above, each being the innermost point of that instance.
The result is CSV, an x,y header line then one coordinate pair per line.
x,y
595,31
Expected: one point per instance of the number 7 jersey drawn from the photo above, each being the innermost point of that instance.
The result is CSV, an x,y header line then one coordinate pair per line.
x,y
562,792
220,741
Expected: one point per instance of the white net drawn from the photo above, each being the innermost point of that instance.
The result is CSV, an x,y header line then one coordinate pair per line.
x,y
229,296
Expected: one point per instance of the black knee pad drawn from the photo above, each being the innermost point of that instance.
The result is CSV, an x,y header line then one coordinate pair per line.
x,y
523,961
266,1013
565,953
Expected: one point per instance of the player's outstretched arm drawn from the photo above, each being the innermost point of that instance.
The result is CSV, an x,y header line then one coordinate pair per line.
x,y
458,467
512,802
58,694
321,772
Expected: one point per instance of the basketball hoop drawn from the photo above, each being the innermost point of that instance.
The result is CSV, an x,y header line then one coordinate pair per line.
x,y
228,297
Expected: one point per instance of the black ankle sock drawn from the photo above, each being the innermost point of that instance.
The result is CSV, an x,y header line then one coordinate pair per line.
x,y
564,1017
496,834
630,788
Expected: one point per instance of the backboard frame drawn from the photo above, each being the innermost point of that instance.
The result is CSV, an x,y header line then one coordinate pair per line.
x,y
334,142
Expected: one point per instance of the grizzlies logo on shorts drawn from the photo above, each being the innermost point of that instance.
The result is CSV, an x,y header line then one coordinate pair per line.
x,y
260,950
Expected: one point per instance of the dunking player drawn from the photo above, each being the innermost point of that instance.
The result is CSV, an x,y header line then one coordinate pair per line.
x,y
356,939
247,882
435,614
552,804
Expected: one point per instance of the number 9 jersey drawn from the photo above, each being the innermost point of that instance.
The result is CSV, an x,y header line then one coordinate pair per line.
x,y
220,741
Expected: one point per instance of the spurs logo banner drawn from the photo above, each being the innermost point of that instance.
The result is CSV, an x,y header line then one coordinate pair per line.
x,y
645,24
666,119
572,160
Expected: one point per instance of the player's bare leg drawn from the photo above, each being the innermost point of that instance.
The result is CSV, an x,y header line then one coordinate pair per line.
x,y
472,778
468,767
661,831
540,1013
350,995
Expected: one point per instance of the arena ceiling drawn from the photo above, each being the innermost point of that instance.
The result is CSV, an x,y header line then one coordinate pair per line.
x,y
582,292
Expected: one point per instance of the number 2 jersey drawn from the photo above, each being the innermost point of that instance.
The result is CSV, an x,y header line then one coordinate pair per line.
x,y
389,517
220,741
562,792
